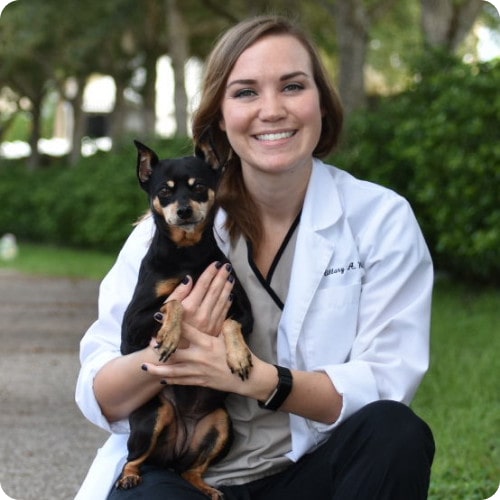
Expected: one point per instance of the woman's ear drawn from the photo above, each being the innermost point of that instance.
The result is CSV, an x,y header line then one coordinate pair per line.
x,y
222,125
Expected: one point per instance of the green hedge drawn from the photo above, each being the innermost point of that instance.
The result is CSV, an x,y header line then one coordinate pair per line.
x,y
92,205
438,145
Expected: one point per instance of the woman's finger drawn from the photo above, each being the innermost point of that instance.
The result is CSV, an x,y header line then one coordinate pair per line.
x,y
181,291
208,286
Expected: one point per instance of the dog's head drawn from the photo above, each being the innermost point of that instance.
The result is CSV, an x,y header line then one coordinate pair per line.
x,y
181,192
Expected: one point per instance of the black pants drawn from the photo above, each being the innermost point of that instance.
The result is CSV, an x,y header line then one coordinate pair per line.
x,y
383,452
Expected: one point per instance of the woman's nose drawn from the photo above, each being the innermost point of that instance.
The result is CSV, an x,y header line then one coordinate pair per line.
x,y
272,107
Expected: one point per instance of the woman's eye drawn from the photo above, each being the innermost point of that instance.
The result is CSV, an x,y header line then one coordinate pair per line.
x,y
244,93
293,87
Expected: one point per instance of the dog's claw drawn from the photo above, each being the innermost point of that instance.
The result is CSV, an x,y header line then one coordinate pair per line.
x,y
164,355
242,369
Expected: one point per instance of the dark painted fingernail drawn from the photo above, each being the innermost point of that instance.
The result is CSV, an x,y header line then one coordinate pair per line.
x,y
218,265
229,268
230,278
144,367
185,281
158,316
231,297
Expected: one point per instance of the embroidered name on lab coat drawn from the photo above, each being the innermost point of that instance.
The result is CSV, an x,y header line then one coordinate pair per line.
x,y
351,266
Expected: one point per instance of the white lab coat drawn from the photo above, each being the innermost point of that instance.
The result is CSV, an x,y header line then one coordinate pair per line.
x,y
358,308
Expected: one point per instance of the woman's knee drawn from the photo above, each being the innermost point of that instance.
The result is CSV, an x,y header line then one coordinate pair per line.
x,y
396,426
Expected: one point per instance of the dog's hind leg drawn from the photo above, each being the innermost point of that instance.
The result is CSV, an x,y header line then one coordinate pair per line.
x,y
210,443
146,425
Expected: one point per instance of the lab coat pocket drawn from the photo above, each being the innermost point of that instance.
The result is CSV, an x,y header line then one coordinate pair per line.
x,y
330,325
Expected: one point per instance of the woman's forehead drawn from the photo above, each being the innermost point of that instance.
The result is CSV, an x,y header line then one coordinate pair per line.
x,y
279,54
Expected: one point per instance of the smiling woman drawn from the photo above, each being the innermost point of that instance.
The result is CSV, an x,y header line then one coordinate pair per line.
x,y
339,279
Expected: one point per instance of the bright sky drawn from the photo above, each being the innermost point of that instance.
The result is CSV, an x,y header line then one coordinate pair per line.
x,y
3,3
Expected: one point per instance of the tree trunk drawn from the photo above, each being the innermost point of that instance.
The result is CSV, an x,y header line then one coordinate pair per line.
x,y
36,122
149,95
352,27
78,124
446,23
179,52
117,117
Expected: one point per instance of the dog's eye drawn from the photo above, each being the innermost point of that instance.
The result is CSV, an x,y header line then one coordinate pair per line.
x,y
199,188
164,192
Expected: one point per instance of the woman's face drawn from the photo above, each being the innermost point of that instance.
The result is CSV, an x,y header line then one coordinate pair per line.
x,y
271,108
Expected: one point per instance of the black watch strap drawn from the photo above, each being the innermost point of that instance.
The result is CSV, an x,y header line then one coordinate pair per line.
x,y
282,391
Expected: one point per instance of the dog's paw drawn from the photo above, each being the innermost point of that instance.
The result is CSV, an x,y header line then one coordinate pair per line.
x,y
128,482
167,344
240,362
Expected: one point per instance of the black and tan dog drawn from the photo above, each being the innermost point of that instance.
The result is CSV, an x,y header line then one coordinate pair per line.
x,y
184,428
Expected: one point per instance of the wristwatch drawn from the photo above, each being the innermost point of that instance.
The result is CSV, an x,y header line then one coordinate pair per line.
x,y
282,391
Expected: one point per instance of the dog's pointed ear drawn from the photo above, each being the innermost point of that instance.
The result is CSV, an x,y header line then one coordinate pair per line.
x,y
208,155
146,161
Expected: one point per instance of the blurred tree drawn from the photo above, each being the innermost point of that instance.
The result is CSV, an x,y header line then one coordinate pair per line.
x,y
44,45
179,52
150,34
446,23
354,20
28,61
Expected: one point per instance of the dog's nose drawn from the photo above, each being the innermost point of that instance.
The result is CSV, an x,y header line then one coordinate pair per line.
x,y
184,212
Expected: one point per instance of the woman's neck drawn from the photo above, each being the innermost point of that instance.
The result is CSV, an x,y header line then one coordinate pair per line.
x,y
278,198
279,201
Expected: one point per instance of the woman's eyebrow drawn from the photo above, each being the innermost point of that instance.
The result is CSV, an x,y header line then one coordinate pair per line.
x,y
241,82
294,74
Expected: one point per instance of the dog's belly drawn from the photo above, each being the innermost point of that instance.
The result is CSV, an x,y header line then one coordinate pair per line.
x,y
197,422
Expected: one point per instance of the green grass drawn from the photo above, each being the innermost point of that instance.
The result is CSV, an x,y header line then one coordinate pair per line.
x,y
55,261
459,397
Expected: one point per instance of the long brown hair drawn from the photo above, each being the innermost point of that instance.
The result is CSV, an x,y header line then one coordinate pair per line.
x,y
232,194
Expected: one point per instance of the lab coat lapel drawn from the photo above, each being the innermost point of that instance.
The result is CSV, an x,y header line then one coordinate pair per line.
x,y
313,252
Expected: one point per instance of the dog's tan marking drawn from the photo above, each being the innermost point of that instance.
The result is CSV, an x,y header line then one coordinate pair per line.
x,y
216,424
131,475
191,181
171,184
157,206
238,355
184,238
165,287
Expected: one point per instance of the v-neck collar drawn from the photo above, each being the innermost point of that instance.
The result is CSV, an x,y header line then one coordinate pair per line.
x,y
267,280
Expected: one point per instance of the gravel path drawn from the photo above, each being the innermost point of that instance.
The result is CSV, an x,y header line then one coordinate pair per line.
x,y
46,445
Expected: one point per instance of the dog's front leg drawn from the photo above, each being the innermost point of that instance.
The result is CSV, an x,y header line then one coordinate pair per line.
x,y
169,335
238,354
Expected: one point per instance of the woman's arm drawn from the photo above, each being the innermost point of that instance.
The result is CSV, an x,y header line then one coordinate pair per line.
x,y
313,395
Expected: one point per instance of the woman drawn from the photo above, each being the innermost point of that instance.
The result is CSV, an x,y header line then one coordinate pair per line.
x,y
340,282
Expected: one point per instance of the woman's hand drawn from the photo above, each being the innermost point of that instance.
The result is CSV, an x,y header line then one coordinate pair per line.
x,y
201,356
206,304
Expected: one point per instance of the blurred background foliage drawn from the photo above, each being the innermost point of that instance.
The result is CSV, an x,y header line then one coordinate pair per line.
x,y
422,110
